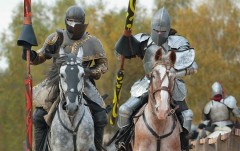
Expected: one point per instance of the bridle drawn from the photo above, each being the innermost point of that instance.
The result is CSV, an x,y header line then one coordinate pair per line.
x,y
168,88
171,112
80,97
79,94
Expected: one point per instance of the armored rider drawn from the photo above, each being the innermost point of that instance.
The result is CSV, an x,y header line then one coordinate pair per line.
x,y
217,111
162,36
73,39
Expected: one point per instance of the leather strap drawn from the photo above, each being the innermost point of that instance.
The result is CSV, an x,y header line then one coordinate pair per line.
x,y
73,132
158,137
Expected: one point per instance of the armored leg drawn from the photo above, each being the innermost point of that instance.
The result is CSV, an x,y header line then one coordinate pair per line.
x,y
40,128
185,117
125,113
127,109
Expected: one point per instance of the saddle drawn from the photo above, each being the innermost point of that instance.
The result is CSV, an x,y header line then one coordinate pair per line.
x,y
124,136
49,117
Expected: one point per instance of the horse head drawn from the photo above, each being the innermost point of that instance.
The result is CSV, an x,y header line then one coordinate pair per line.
x,y
71,82
161,84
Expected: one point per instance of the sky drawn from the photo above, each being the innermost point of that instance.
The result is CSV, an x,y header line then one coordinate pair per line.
x,y
7,7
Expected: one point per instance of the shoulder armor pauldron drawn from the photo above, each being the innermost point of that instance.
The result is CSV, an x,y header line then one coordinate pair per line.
x,y
178,42
56,37
141,37
230,102
52,39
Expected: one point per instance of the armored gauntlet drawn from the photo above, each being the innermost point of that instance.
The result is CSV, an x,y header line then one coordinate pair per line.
x,y
99,68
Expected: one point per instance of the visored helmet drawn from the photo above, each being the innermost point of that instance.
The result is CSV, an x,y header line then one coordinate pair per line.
x,y
160,26
217,89
74,20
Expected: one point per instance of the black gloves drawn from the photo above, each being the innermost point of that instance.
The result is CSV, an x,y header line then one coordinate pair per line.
x,y
88,72
33,53
92,73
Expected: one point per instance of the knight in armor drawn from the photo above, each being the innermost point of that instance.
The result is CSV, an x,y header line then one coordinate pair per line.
x,y
162,36
71,40
216,112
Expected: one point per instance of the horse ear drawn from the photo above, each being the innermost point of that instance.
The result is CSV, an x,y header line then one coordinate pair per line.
x,y
61,52
158,54
172,57
80,54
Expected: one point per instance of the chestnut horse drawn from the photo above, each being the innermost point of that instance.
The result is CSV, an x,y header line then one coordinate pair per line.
x,y
158,128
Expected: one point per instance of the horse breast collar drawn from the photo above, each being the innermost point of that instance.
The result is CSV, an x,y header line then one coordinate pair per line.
x,y
159,137
164,88
73,132
171,111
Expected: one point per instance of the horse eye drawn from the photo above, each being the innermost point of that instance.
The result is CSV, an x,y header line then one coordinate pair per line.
x,y
61,75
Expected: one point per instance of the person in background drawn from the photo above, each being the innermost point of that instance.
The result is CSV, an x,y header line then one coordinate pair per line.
x,y
217,111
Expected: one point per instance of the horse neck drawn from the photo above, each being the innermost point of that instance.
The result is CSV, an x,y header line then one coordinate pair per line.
x,y
160,126
71,120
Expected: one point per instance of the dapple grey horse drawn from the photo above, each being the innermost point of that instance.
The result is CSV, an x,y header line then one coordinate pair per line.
x,y
72,128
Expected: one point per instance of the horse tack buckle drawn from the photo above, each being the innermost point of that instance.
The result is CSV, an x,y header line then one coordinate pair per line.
x,y
171,112
74,133
121,145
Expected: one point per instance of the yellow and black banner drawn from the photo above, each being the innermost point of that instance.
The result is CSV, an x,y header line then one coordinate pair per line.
x,y
117,93
130,14
120,74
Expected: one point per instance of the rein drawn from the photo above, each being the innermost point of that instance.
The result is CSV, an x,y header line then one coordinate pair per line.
x,y
171,112
163,88
73,132
159,137
80,96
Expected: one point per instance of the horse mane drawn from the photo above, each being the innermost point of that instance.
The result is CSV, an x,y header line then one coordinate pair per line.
x,y
53,75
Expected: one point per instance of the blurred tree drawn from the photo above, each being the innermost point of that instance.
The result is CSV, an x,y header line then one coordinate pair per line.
x,y
12,99
213,30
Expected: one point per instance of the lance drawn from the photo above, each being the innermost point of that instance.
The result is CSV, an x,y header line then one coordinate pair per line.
x,y
126,47
28,39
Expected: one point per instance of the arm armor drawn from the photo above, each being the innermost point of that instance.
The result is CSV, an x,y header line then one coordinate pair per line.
x,y
50,46
185,55
188,71
100,67
231,103
131,46
236,112
206,118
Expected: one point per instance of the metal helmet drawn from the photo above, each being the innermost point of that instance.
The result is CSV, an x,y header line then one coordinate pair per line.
x,y
160,26
217,89
74,20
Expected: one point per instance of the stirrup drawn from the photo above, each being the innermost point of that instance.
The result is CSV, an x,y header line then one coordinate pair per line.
x,y
121,146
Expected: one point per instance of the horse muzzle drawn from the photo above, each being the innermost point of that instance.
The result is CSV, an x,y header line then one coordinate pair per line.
x,y
161,114
72,104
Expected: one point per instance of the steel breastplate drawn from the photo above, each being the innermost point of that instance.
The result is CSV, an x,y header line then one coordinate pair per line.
x,y
92,48
219,112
